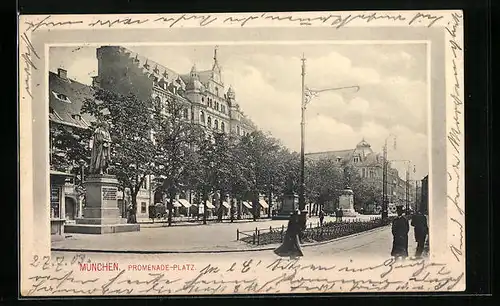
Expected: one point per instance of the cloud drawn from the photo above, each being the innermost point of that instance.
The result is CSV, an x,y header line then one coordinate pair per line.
x,y
80,63
269,90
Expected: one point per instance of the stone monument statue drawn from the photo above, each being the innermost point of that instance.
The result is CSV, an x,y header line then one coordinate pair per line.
x,y
346,202
289,202
101,149
101,214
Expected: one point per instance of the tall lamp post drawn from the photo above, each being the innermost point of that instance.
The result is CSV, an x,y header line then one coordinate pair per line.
x,y
385,212
307,95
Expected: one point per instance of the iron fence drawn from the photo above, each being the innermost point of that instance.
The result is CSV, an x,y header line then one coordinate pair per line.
x,y
314,232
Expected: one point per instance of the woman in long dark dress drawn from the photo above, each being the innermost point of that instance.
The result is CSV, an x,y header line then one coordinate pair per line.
x,y
291,246
400,228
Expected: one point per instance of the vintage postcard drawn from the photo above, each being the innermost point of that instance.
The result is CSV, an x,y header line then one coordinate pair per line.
x,y
252,153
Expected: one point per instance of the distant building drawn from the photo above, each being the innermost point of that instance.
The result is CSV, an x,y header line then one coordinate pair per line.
x,y
370,167
65,101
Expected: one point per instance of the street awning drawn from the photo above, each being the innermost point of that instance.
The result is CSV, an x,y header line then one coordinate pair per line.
x,y
177,204
263,204
209,205
226,205
184,203
247,205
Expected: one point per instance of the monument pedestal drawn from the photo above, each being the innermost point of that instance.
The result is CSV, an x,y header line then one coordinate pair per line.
x,y
289,205
101,214
346,203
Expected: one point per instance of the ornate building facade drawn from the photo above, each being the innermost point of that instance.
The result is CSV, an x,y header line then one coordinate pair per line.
x,y
369,165
203,94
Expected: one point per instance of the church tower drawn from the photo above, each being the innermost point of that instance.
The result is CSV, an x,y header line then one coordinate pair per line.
x,y
216,69
216,86
194,92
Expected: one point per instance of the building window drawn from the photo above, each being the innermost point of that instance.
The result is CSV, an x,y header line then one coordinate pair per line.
x,y
202,117
202,99
363,172
54,202
143,207
158,103
216,124
217,91
223,108
217,105
222,127
209,121
192,115
356,159
61,97
185,113
144,185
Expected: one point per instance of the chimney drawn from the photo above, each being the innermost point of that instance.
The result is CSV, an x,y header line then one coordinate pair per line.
x,y
62,73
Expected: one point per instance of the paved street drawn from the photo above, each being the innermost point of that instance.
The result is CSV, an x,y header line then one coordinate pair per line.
x,y
191,238
373,244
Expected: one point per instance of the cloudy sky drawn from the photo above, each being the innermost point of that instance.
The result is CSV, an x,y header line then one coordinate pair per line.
x,y
267,80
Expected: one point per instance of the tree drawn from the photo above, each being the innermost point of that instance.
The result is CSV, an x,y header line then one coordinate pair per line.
x,y
175,139
324,181
201,174
132,149
241,173
255,145
226,170
366,192
70,152
70,148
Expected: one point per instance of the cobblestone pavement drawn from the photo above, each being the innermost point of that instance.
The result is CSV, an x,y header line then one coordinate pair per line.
x,y
375,243
161,238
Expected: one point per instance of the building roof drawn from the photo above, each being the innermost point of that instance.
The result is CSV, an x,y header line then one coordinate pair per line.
x,y
153,68
343,154
372,159
363,144
66,98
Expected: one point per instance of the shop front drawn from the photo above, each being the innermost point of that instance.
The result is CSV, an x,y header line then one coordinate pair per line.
x,y
58,199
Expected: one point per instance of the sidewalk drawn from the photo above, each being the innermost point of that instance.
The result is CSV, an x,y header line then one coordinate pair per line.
x,y
213,237
147,223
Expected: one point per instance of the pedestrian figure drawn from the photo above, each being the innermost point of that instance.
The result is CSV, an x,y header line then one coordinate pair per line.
x,y
131,215
341,214
419,223
291,246
400,229
219,213
337,215
321,217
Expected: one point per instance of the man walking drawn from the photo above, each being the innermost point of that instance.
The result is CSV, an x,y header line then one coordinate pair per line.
x,y
419,223
321,217
400,229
